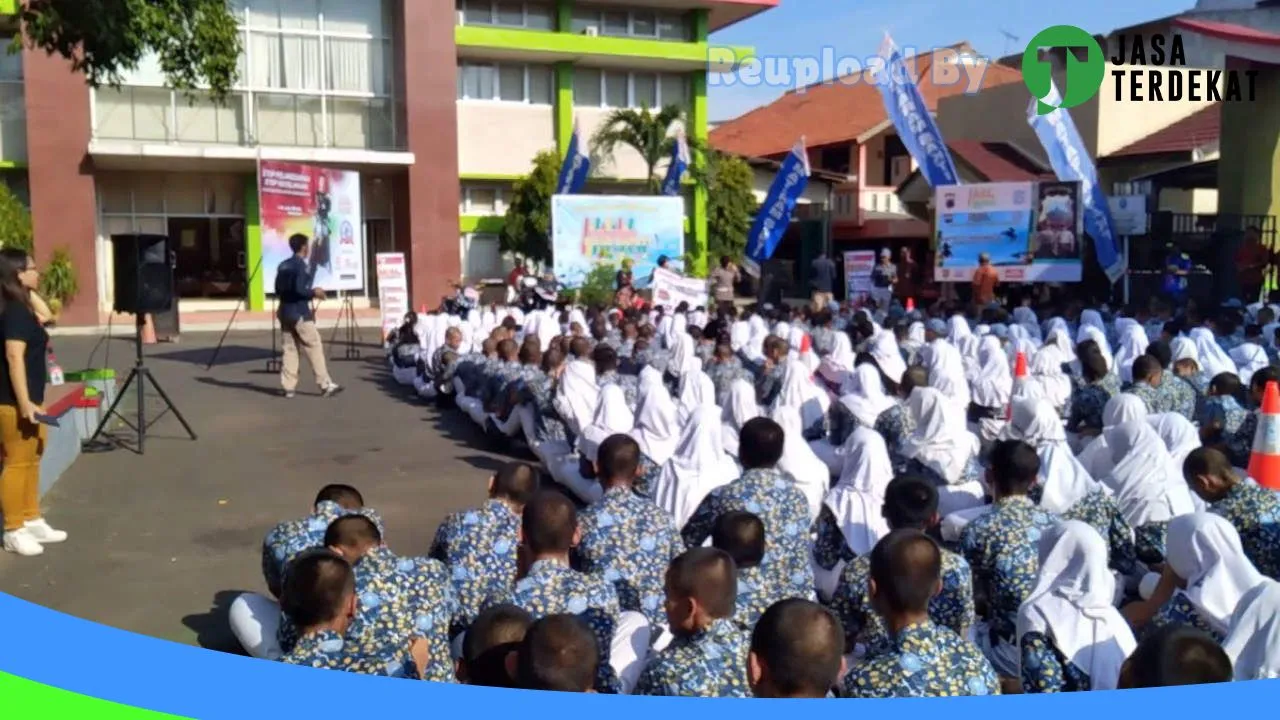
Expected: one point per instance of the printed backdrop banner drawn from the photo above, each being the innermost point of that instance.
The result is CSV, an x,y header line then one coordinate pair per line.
x,y
670,289
1030,231
393,289
592,230
857,274
322,204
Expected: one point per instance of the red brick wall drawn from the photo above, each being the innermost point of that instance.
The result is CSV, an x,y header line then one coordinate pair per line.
x,y
427,197
63,204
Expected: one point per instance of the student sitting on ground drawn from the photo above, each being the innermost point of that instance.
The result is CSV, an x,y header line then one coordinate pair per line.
x,y
559,653
795,651
320,594
1175,655
549,586
774,496
910,503
626,539
479,545
1250,508
709,654
924,660
254,618
491,644
399,597
741,535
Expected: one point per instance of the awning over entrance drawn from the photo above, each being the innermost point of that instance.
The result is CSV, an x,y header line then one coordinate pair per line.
x,y
1192,176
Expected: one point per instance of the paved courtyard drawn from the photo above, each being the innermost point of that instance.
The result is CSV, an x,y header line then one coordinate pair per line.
x,y
160,544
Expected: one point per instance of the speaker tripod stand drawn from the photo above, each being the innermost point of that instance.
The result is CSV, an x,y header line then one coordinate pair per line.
x,y
138,379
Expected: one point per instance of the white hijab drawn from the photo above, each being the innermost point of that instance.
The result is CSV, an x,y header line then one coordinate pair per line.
x,y
754,349
1122,408
799,392
857,499
812,476
1093,319
1184,348
1249,358
884,348
915,334
992,384
1204,549
739,334
683,358
657,428
1147,486
1178,434
696,391
946,373
1072,603
548,329
1254,642
1089,332
698,466
1133,344
1046,367
612,417
1064,481
1213,360
739,408
864,395
837,365
1060,341
957,328
941,440
578,388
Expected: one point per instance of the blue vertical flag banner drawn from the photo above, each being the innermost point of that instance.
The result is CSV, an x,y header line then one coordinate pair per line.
x,y
1070,161
576,167
910,115
775,212
679,164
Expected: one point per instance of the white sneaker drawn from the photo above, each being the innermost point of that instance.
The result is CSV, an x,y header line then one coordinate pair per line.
x,y
21,542
43,534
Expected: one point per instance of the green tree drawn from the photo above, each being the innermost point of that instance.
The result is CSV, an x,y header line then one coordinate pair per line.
x,y
647,133
196,41
526,230
731,205
598,287
15,221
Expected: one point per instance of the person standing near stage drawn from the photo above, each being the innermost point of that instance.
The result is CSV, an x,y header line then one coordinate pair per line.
x,y
822,279
294,291
884,276
1177,266
22,434
985,279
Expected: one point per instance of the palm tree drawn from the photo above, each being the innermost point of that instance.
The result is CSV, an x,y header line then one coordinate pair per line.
x,y
647,133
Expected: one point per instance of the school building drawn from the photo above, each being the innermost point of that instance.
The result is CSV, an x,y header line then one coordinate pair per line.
x,y
438,105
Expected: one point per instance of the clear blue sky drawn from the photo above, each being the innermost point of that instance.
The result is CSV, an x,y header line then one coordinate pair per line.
x,y
854,28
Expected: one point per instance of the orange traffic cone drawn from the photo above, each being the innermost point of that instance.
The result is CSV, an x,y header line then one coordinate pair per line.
x,y
911,305
1019,377
1264,462
148,330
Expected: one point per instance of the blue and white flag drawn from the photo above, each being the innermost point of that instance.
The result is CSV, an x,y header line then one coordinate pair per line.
x,y
1070,161
775,212
576,167
910,115
679,164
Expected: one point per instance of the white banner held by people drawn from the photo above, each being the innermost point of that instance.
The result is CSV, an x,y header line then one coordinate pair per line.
x,y
393,289
670,289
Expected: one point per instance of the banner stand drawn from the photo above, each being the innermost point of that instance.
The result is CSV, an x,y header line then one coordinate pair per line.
x,y
347,315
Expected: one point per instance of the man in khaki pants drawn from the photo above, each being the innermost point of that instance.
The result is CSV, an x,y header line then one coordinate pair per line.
x,y
297,321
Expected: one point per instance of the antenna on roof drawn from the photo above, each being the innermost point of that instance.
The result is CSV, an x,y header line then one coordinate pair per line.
x,y
1008,38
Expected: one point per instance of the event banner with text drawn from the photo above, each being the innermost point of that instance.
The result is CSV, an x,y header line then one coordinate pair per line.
x,y
324,205
1032,232
593,230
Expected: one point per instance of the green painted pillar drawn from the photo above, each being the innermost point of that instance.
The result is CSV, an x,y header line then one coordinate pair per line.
x,y
698,132
253,246
564,15
1249,164
564,106
701,25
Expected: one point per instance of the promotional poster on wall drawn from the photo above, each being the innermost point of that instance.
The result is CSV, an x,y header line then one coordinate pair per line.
x,y
322,204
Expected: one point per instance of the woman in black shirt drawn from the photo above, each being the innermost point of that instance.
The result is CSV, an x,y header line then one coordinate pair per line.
x,y
23,373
